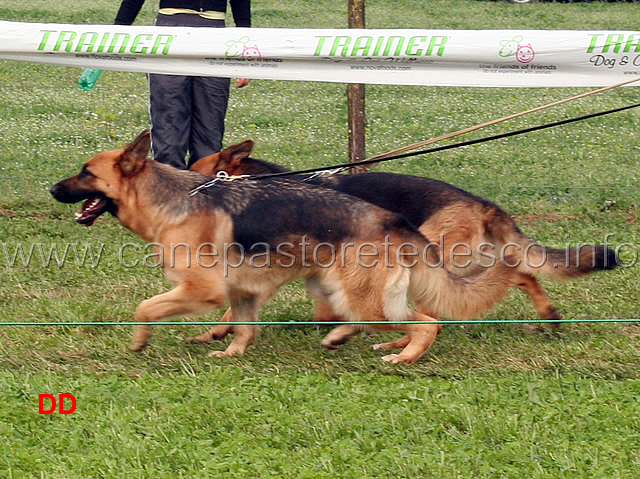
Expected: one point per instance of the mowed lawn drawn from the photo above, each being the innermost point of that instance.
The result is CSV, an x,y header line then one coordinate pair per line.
x,y
487,401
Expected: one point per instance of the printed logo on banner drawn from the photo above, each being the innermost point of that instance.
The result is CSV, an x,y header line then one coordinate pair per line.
x,y
525,53
515,48
504,58
107,42
611,49
242,48
331,46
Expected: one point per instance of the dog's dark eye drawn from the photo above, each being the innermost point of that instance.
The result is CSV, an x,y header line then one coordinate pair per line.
x,y
85,173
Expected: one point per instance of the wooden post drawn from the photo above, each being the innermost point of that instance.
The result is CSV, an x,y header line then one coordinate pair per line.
x,y
355,97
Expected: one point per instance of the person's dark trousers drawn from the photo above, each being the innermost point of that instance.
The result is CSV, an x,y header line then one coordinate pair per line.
x,y
187,112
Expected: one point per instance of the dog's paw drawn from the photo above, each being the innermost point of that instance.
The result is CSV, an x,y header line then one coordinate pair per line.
x,y
218,354
399,359
137,346
329,346
227,353
332,344
378,346
203,338
392,358
220,331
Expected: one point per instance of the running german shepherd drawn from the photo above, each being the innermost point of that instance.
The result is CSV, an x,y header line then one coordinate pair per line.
x,y
463,223
257,235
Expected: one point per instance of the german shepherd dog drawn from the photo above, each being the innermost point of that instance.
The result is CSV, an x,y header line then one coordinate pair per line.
x,y
460,220
359,267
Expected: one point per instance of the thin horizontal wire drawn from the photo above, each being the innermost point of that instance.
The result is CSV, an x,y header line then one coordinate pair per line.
x,y
307,323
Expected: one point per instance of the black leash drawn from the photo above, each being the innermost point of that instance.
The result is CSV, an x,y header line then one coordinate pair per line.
x,y
345,166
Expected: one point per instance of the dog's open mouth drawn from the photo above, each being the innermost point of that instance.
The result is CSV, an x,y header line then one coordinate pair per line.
x,y
91,209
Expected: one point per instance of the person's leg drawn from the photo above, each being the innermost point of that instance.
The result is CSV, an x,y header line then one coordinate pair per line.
x,y
209,108
170,113
210,100
170,100
187,112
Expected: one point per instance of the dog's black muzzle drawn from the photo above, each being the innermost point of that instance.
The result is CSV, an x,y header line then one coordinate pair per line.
x,y
64,194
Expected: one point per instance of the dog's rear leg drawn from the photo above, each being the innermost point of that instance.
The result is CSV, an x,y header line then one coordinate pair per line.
x,y
530,285
421,337
324,312
404,340
244,310
186,298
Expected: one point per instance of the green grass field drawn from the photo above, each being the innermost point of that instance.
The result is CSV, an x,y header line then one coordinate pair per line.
x,y
487,401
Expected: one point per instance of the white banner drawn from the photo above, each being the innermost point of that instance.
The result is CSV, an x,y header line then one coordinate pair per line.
x,y
474,58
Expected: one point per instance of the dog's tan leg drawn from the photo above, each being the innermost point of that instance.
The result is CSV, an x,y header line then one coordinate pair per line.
x,y
186,298
421,337
243,337
415,344
220,331
398,343
404,341
244,310
340,335
324,312
216,332
530,285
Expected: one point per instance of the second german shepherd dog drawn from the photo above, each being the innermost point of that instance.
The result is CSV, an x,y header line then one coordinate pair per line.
x,y
463,223
270,231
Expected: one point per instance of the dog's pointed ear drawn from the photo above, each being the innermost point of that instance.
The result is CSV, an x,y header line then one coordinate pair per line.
x,y
232,156
228,159
207,165
135,154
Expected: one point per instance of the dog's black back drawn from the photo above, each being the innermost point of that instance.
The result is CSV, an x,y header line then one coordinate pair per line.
x,y
272,211
414,197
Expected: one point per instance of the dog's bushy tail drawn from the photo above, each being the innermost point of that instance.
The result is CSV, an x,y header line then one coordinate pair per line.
x,y
436,291
563,264
557,264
